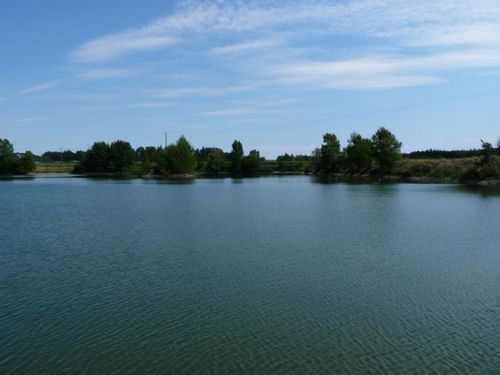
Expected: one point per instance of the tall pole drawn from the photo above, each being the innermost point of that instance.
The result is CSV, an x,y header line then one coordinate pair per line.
x,y
166,138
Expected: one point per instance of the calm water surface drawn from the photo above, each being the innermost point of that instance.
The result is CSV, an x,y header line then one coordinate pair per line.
x,y
269,275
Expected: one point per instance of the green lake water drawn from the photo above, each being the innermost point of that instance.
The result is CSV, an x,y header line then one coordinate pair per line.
x,y
267,275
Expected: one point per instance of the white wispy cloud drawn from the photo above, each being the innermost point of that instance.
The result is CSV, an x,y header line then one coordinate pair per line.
x,y
38,88
246,46
206,90
465,31
98,74
271,110
363,17
116,45
382,72
475,34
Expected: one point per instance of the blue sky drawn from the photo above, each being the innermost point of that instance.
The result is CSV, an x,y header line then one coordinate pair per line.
x,y
274,74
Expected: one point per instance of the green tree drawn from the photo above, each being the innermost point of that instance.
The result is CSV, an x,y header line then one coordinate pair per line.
x,y
330,153
215,160
498,147
202,157
140,153
316,160
386,150
487,152
67,155
26,163
358,153
8,159
97,158
180,158
251,163
152,158
236,157
121,156
10,163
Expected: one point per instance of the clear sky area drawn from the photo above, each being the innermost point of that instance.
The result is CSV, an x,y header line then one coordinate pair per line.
x,y
274,74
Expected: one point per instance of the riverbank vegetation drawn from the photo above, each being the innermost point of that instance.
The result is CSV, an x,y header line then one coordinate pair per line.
x,y
179,159
54,167
378,156
12,163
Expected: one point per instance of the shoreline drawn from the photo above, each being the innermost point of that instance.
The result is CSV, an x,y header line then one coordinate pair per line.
x,y
335,178
367,178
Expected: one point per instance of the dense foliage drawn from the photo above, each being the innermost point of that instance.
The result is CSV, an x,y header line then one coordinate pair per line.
x,y
442,154
180,157
251,163
236,157
61,156
386,150
12,163
381,155
215,160
105,158
96,159
329,154
378,155
358,154
121,156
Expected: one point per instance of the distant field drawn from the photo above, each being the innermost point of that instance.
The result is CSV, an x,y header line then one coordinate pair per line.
x,y
54,167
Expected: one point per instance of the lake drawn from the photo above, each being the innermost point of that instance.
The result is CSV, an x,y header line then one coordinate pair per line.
x,y
265,275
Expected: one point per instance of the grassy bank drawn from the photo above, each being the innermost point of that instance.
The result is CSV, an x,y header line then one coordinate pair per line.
x,y
461,169
54,167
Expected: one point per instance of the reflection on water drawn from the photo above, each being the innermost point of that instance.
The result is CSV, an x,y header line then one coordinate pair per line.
x,y
352,180
483,191
266,275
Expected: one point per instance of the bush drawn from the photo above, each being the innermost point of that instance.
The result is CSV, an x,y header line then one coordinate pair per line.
x,y
121,156
10,163
97,158
466,168
180,158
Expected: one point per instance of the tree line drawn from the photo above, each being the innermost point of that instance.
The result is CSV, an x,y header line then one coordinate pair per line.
x,y
179,158
379,154
12,163
443,154
60,156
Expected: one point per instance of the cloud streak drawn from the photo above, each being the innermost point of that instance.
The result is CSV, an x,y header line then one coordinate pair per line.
x,y
444,22
114,46
246,46
99,74
38,88
465,31
206,90
383,72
